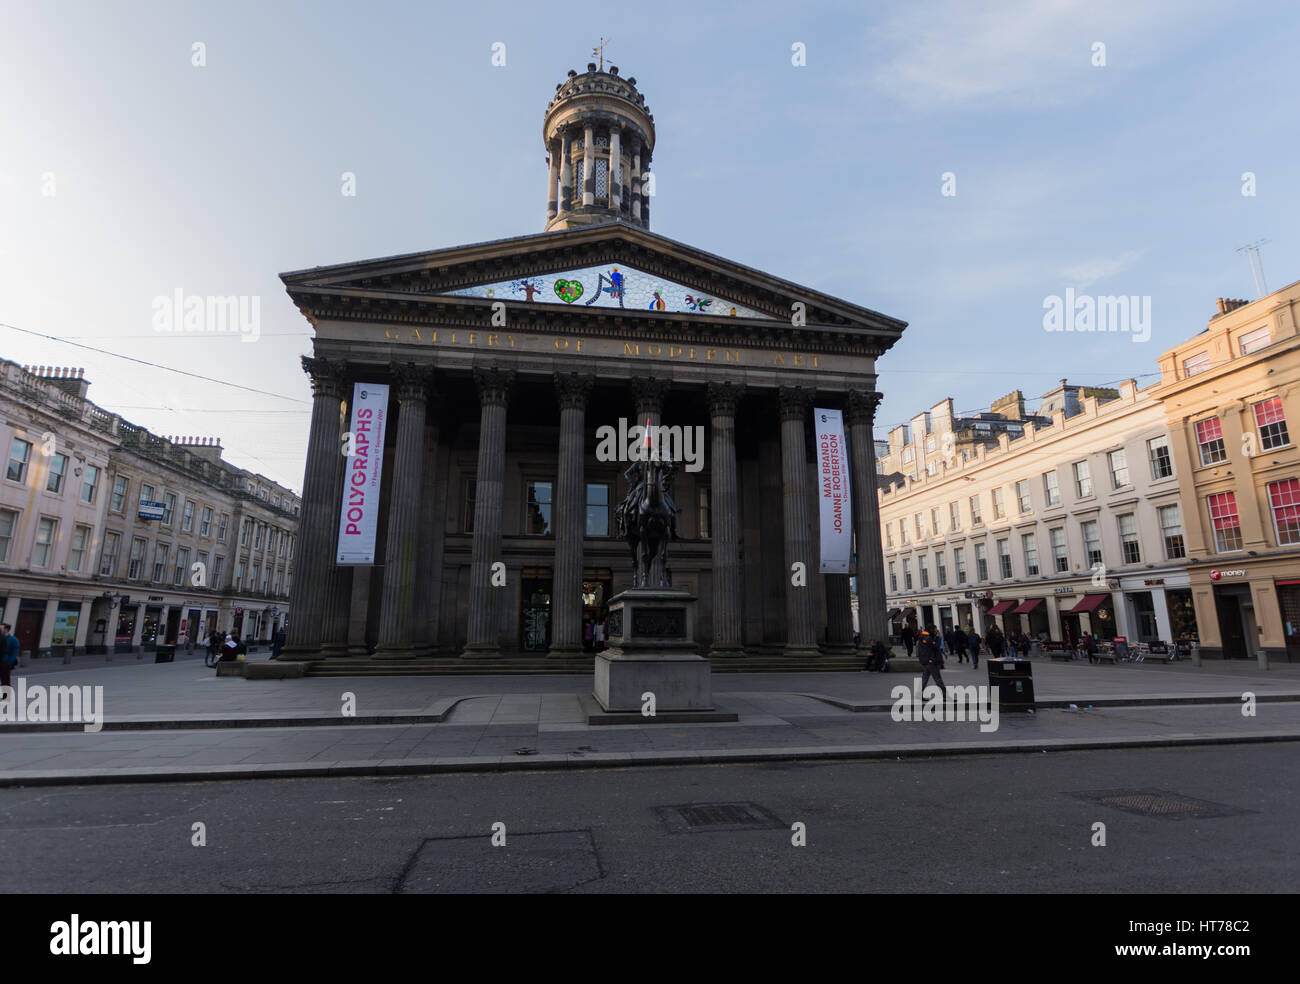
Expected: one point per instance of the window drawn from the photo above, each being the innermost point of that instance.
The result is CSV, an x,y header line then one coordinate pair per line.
x,y
279,579
108,556
187,517
889,536
934,521
205,522
1051,491
120,488
1255,340
19,455
169,508
271,537
135,568
975,518
286,583
902,532
471,491
284,541
245,532
239,576
940,570
1091,542
182,565
77,552
1022,497
893,576
929,444
920,529
959,564
260,537
909,455
1271,421
1196,364
44,542
89,483
1118,460
1030,547
1082,479
999,505
1128,539
8,520
602,178
58,471
160,552
146,494
538,520
1223,517
1284,500
907,575
1060,558
266,579
202,558
1162,465
981,562
954,518
1004,557
1209,438
703,499
1171,531
925,573
222,527
254,576
218,568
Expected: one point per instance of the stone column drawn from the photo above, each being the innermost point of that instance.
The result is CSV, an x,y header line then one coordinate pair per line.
x,y
396,639
634,188
800,630
552,180
338,585
839,614
728,601
315,554
483,632
573,390
860,414
588,166
615,163
566,171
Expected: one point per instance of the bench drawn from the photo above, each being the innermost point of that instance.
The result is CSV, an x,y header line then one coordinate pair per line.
x,y
1057,650
1159,651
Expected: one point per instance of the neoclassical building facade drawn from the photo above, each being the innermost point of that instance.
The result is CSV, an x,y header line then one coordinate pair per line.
x,y
510,364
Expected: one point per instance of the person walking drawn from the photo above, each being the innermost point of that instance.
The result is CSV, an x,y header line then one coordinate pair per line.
x,y
959,643
973,642
995,641
909,638
9,648
931,662
277,643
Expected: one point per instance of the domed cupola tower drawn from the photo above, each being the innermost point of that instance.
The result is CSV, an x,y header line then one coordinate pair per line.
x,y
599,136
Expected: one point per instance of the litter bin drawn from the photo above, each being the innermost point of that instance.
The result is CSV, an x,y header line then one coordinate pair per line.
x,y
1014,680
164,654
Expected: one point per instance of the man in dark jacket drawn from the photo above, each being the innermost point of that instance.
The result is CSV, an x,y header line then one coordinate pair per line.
x,y
973,641
958,646
931,661
877,657
277,643
909,638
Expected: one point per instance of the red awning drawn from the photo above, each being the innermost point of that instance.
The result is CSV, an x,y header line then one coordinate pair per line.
x,y
1001,607
1028,605
1088,603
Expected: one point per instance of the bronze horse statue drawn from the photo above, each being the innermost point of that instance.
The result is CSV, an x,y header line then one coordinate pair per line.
x,y
647,520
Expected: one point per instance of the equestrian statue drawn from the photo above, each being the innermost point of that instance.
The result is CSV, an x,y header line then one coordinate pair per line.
x,y
647,519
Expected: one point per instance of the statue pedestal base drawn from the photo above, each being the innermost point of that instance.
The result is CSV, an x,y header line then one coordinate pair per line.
x,y
652,651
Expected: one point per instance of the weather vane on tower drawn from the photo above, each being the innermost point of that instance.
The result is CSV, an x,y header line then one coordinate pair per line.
x,y
598,52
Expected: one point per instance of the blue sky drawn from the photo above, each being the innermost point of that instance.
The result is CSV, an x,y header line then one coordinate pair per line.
x,y
1119,179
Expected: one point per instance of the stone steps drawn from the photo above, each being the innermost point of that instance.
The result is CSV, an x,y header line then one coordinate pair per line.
x,y
511,666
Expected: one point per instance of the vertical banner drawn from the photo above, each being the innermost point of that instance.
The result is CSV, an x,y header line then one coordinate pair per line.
x,y
833,487
359,513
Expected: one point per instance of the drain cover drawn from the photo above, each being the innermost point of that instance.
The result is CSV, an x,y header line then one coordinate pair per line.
x,y
1158,803
694,817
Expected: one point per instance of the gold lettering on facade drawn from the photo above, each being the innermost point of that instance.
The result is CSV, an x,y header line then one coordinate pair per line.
x,y
471,338
730,357
708,355
654,350
631,348
415,335
511,339
798,360
492,340
390,334
777,360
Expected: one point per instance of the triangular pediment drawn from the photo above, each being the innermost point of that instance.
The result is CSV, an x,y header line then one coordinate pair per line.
x,y
610,286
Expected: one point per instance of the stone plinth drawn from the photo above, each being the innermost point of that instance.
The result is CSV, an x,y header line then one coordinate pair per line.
x,y
652,650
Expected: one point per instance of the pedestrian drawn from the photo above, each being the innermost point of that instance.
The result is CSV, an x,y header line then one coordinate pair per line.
x,y
931,662
959,643
277,643
996,642
9,646
1089,644
973,641
598,635
909,638
229,650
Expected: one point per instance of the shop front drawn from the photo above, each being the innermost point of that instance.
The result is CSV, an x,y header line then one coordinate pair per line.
x,y
1094,613
1288,600
126,619
1236,615
1035,622
997,615
66,620
151,626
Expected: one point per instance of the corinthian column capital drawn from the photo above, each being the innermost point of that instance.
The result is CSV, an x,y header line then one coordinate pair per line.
x,y
413,381
494,386
794,402
573,388
327,377
862,406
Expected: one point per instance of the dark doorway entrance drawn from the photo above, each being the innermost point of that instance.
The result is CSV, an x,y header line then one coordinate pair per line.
x,y
535,612
1230,625
27,627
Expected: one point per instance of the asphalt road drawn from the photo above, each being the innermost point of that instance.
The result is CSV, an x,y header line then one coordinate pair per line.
x,y
1009,823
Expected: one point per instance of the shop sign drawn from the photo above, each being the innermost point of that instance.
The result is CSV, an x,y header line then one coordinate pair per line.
x,y
1063,591
1216,574
155,597
1154,580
